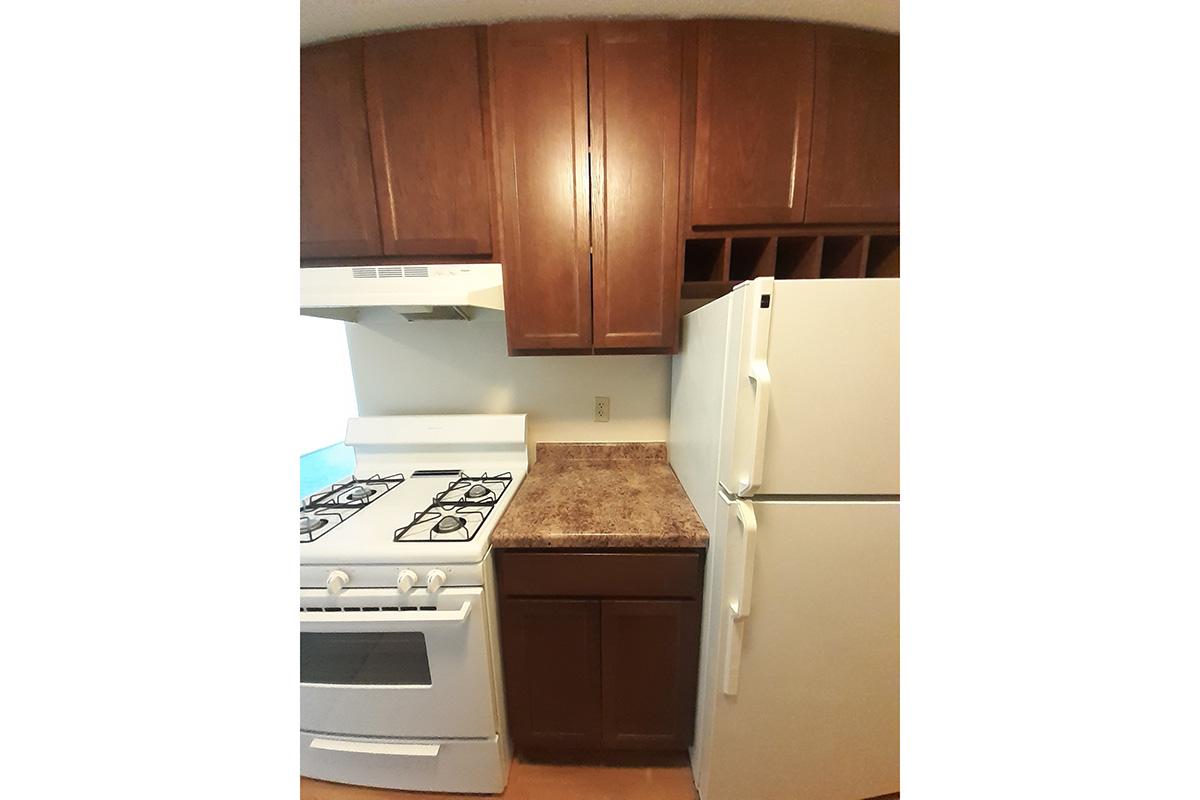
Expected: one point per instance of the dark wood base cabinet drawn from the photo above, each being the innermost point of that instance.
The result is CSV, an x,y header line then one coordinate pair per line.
x,y
600,649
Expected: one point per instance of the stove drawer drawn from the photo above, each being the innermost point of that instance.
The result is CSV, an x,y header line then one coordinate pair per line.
x,y
430,765
369,671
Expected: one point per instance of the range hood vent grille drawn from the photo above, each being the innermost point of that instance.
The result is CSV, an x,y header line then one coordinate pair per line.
x,y
418,271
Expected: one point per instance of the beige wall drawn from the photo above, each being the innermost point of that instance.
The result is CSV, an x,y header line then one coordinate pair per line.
x,y
459,367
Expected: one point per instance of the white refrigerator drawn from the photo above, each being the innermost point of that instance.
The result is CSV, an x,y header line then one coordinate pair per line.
x,y
785,434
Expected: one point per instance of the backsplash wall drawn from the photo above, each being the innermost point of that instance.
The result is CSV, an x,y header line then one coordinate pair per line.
x,y
454,367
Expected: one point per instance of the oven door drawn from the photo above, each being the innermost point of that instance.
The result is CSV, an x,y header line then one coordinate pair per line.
x,y
371,667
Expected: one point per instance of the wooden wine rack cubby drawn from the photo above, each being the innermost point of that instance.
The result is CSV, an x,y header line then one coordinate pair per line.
x,y
716,261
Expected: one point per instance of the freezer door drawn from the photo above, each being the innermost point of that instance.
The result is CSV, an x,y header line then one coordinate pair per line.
x,y
815,709
833,373
700,384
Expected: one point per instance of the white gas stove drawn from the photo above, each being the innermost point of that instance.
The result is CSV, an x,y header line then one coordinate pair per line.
x,y
427,491
399,655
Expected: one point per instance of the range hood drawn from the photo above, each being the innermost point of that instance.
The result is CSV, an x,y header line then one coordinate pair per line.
x,y
418,292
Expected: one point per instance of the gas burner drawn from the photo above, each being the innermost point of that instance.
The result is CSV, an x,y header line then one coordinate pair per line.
x,y
474,491
438,524
315,522
359,492
449,524
356,492
310,523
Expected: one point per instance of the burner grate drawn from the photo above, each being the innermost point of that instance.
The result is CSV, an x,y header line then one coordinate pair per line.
x,y
443,524
457,513
468,490
354,493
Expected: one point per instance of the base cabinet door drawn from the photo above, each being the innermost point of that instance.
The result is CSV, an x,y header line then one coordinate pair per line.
x,y
651,652
552,672
601,649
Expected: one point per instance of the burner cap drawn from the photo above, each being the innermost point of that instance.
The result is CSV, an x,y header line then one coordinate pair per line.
x,y
449,524
478,490
311,522
359,492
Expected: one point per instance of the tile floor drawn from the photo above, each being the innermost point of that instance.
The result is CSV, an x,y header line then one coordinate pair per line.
x,y
543,782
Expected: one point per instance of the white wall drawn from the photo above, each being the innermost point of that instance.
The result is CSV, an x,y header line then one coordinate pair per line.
x,y
326,394
460,367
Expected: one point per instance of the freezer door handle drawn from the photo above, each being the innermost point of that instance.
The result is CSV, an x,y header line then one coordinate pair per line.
x,y
759,376
760,379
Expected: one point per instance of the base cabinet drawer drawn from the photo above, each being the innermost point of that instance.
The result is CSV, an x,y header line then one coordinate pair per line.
x,y
435,765
588,672
600,574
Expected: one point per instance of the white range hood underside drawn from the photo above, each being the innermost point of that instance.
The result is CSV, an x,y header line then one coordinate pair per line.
x,y
418,292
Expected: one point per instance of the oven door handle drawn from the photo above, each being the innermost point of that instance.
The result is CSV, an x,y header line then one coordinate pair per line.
x,y
381,620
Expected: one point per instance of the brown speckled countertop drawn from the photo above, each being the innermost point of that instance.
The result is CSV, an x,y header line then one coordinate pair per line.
x,y
601,495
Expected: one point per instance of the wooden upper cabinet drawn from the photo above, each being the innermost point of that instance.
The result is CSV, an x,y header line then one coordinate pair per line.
x,y
754,105
426,96
635,103
855,170
337,194
539,80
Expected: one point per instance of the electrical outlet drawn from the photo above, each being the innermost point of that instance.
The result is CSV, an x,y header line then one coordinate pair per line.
x,y
601,410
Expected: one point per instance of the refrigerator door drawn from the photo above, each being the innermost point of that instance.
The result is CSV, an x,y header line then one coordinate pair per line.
x,y
832,367
815,709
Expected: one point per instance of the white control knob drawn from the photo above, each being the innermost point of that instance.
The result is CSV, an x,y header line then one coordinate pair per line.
x,y
406,580
337,581
435,579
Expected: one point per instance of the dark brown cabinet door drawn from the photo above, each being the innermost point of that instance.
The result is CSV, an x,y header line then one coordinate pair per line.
x,y
855,171
635,85
539,79
425,98
754,93
552,671
337,193
651,658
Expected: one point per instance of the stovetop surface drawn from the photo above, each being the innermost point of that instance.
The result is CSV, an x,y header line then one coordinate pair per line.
x,y
424,518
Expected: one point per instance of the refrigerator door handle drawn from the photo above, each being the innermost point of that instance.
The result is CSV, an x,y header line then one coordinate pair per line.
x,y
749,522
762,291
733,652
739,608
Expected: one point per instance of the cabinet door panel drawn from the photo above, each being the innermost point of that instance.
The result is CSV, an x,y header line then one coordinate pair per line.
x,y
337,194
651,657
753,122
551,651
634,94
539,78
855,171
425,101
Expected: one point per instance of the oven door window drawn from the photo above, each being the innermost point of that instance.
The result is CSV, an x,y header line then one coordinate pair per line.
x,y
397,658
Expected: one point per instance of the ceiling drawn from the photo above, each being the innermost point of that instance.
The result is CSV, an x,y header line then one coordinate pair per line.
x,y
333,19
